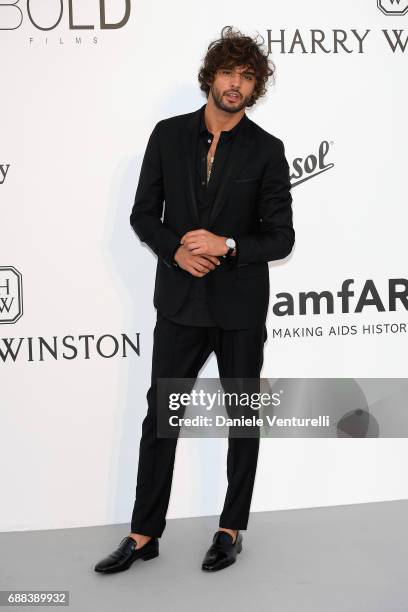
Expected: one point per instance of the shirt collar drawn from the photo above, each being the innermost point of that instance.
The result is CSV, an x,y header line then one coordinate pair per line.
x,y
225,134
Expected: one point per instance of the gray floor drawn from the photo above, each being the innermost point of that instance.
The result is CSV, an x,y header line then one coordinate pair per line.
x,y
339,559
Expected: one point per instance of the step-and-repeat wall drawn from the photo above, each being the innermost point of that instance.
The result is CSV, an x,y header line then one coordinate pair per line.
x,y
82,85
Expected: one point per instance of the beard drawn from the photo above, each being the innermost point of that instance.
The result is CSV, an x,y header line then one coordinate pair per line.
x,y
228,107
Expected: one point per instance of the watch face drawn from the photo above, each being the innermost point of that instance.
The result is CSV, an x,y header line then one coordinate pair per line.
x,y
230,242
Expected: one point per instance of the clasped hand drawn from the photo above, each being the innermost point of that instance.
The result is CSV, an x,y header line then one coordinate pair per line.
x,y
199,251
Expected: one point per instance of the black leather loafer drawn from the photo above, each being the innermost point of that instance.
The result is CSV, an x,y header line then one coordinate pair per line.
x,y
123,557
222,551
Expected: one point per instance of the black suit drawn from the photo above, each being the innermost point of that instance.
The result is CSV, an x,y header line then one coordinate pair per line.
x,y
252,204
196,310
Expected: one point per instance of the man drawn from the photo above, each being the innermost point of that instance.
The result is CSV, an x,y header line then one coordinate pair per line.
x,y
225,184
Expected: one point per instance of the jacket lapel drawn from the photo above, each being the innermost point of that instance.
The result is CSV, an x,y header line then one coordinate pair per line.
x,y
190,150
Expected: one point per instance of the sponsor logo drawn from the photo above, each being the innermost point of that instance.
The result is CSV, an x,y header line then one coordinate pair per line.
x,y
83,346
327,302
336,41
366,301
11,295
48,16
312,165
4,168
393,7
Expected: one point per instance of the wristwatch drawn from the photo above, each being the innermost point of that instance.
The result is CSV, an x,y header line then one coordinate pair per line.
x,y
231,244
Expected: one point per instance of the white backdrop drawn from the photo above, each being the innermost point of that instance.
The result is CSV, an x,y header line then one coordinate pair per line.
x,y
77,107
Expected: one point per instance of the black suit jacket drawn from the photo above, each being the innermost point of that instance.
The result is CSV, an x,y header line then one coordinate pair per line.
x,y
253,205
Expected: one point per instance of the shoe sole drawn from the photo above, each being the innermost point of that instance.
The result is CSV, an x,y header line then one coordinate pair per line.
x,y
147,557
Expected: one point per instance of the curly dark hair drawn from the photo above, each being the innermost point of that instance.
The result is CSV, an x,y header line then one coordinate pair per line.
x,y
236,49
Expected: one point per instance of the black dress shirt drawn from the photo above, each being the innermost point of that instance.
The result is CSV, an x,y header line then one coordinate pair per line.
x,y
195,310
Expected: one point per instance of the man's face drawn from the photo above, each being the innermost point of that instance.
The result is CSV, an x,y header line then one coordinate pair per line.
x,y
232,88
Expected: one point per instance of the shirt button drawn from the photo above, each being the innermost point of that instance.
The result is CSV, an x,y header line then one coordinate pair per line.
x,y
209,140
203,182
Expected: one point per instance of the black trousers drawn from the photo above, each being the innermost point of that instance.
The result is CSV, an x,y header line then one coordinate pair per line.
x,y
180,351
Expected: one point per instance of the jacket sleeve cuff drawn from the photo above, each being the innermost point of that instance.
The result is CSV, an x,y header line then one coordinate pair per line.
x,y
167,244
173,261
